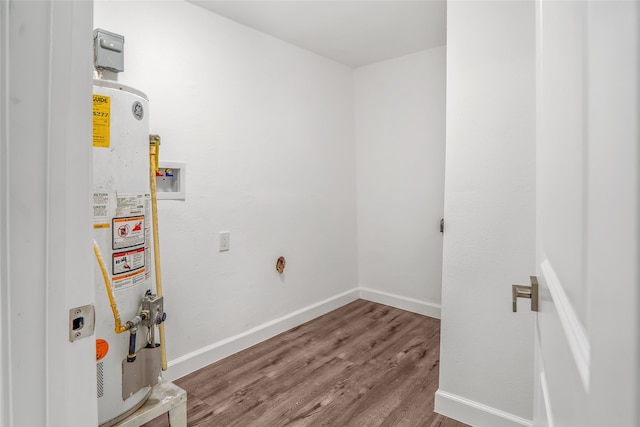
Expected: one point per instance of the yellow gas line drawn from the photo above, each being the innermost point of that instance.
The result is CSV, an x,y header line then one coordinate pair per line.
x,y
119,328
154,149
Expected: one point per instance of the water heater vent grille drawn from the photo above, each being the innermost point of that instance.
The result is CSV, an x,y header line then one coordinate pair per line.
x,y
100,379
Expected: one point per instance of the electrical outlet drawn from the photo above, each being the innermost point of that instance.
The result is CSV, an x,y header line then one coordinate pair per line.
x,y
225,237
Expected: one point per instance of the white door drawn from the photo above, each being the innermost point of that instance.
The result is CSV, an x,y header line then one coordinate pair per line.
x,y
46,262
588,214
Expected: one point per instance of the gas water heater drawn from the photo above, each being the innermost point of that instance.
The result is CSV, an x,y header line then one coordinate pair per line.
x,y
127,309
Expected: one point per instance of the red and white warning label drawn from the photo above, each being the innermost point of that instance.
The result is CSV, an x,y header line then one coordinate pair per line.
x,y
129,279
128,232
125,262
147,232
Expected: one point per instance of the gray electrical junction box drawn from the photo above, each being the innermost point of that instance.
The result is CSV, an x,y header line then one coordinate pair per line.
x,y
108,50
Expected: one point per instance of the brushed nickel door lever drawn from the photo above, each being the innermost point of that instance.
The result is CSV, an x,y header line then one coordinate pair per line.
x,y
524,291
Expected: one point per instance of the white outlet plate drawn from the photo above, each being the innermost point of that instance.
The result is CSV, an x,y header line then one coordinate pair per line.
x,y
225,237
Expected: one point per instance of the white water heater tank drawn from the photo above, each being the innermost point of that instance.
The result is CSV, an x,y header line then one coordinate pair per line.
x,y
123,233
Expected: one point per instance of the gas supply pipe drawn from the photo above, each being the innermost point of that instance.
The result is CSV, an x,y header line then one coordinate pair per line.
x,y
119,328
154,150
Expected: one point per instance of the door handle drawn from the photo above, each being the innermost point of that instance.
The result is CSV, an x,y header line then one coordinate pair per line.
x,y
524,291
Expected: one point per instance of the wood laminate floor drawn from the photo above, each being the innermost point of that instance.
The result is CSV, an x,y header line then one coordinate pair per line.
x,y
362,365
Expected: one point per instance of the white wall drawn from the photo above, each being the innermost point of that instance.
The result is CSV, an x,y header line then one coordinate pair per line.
x,y
266,130
486,350
400,132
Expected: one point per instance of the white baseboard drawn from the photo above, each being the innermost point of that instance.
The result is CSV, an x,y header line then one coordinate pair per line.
x,y
200,358
474,413
416,306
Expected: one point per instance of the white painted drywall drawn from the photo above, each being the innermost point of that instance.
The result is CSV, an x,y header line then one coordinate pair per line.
x,y
355,33
267,132
46,263
489,244
400,140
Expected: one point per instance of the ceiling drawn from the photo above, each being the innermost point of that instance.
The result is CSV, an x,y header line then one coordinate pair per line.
x,y
352,32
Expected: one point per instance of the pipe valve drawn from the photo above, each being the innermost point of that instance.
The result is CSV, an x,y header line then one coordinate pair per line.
x,y
153,305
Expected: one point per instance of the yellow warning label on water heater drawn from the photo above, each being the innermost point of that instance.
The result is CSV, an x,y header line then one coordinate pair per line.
x,y
101,121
